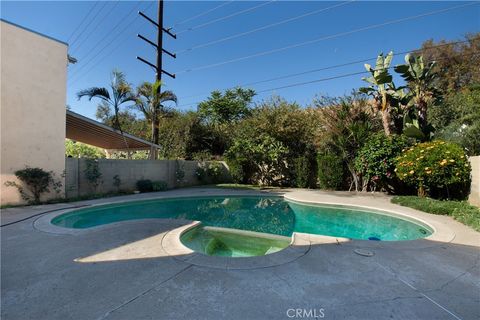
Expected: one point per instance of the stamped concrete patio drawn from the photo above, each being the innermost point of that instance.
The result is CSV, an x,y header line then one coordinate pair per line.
x,y
122,271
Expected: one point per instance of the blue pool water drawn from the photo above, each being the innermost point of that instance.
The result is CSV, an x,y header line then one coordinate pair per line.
x,y
271,215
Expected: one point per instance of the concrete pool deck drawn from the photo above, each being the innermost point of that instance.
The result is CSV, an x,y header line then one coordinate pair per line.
x,y
122,271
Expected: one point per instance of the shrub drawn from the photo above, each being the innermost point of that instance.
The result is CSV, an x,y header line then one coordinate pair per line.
x,y
439,169
376,161
159,185
330,171
117,182
145,185
305,172
179,172
92,173
262,159
37,181
209,172
345,125
235,169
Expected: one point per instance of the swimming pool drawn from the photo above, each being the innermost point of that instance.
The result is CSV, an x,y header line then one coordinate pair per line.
x,y
261,214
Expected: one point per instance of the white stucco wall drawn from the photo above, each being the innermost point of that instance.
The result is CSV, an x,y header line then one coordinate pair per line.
x,y
474,197
33,97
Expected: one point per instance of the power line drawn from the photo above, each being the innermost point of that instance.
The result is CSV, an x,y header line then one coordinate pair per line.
x,y
335,77
352,73
291,75
88,24
100,21
126,26
226,17
202,13
207,44
83,20
263,53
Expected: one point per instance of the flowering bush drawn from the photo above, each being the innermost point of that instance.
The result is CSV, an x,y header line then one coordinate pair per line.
x,y
439,169
376,161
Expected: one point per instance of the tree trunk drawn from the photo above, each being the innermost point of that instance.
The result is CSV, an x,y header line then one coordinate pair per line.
x,y
155,132
386,120
422,114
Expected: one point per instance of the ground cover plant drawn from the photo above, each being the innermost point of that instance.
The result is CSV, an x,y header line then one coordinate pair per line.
x,y
459,210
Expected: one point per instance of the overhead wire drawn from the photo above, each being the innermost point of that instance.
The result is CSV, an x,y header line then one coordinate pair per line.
x,y
291,75
347,74
100,21
271,25
127,25
337,35
83,20
226,17
88,24
202,13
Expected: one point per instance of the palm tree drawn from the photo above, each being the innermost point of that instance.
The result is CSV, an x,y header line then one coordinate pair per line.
x,y
150,101
121,93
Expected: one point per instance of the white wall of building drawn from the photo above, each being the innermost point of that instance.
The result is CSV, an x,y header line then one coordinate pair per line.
x,y
33,97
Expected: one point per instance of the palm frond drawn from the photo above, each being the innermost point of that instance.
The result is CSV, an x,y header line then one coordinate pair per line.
x,y
168,96
94,92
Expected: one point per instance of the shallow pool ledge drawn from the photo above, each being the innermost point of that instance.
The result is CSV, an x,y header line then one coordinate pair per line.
x,y
172,244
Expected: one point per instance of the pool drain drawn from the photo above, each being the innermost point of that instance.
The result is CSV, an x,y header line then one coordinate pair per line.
x,y
363,252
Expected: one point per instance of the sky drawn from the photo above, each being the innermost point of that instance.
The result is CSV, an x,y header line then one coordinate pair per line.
x,y
102,36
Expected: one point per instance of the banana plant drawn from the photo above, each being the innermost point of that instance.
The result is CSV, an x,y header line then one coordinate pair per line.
x,y
383,91
421,95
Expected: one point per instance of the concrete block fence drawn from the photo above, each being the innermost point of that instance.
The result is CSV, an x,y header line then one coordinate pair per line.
x,y
129,172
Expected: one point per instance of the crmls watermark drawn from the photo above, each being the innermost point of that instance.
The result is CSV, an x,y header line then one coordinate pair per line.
x,y
306,313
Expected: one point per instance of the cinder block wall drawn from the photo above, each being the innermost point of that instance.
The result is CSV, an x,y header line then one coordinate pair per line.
x,y
129,172
474,197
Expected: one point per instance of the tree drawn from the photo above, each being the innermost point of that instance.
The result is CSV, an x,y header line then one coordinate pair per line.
x,y
150,101
457,119
422,94
129,122
231,106
457,63
121,93
387,98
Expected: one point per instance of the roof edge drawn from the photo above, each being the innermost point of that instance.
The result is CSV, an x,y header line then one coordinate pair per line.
x,y
33,31
77,115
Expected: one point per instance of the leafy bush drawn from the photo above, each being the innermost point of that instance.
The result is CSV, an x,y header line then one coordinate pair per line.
x,y
179,172
145,185
211,172
80,150
346,124
305,172
92,173
439,169
330,171
376,161
159,186
458,119
117,182
262,159
37,181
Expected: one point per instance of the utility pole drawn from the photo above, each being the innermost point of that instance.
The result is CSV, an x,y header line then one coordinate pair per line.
x,y
160,51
